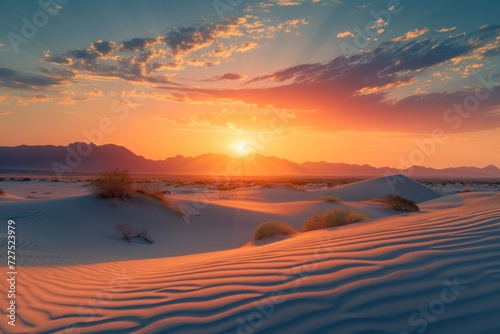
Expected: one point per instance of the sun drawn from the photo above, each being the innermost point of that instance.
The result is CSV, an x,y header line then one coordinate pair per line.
x,y
241,147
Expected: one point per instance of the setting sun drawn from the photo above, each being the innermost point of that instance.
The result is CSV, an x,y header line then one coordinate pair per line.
x,y
241,147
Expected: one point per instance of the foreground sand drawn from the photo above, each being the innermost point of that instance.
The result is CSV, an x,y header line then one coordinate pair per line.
x,y
437,270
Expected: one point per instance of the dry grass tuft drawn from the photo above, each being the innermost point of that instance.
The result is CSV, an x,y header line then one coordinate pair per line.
x,y
127,233
119,184
272,228
329,199
116,183
400,203
332,218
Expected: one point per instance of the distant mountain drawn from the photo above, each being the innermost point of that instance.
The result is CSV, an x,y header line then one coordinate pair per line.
x,y
90,158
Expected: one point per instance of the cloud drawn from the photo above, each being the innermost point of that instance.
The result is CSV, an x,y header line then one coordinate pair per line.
x,y
227,77
351,93
151,58
247,46
411,35
287,3
18,80
26,100
443,30
345,34
238,119
5,112
94,92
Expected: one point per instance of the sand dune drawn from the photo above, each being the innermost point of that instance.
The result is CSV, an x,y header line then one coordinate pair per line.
x,y
376,276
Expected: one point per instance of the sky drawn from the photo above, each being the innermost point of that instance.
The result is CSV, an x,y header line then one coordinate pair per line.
x,y
385,83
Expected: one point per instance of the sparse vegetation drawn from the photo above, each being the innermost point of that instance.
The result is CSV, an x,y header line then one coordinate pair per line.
x,y
400,203
332,218
230,186
127,233
287,184
119,184
116,183
272,228
329,199
149,190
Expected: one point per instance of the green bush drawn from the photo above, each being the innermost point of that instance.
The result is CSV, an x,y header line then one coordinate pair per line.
x,y
400,203
116,183
332,218
271,228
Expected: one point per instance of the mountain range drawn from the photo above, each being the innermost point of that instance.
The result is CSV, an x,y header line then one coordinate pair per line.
x,y
89,158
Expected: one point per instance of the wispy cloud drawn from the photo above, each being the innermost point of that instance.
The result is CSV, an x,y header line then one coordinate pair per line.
x,y
443,30
227,77
345,34
94,92
349,89
151,58
20,80
411,34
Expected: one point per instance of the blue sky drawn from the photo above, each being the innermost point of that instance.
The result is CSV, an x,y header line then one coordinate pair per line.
x,y
208,74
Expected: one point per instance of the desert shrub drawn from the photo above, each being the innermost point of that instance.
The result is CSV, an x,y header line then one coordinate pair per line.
x,y
293,186
151,190
271,228
2,193
332,218
116,183
328,198
201,183
127,233
400,203
230,186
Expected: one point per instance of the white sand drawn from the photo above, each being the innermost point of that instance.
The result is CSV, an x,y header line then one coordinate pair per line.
x,y
206,276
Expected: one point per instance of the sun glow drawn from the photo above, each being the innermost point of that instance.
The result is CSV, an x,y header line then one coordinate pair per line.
x,y
241,147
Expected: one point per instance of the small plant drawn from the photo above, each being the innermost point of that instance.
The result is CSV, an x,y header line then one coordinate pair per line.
x,y
400,203
329,199
332,218
149,190
115,183
273,227
127,233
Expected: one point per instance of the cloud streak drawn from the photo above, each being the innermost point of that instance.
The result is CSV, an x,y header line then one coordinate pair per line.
x,y
351,93
155,59
19,80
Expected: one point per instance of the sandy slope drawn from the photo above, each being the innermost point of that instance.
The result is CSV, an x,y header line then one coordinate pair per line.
x,y
80,229
366,277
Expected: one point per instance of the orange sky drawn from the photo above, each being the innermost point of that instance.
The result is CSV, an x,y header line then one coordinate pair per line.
x,y
274,78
